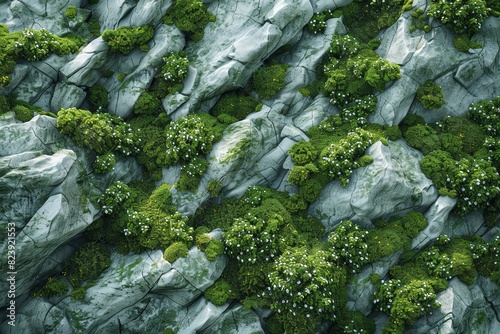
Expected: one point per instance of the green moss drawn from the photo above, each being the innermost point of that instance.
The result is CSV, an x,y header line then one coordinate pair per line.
x,y
430,95
124,39
202,240
214,187
175,251
22,113
190,16
95,27
147,104
98,96
303,153
423,138
219,293
87,264
53,287
71,12
214,249
269,80
236,104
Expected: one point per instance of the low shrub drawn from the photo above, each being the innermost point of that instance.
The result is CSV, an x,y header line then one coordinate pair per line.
x,y
104,163
53,287
22,113
214,249
190,16
175,251
303,153
348,245
71,12
430,95
214,187
124,39
147,104
486,114
269,80
317,23
191,173
463,16
219,293
174,71
236,104
87,264
423,138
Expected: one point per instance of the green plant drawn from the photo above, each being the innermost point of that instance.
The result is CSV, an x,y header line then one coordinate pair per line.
x,y
104,163
124,39
463,16
188,137
190,174
78,293
190,16
299,292
420,21
300,174
219,293
53,287
423,138
87,264
98,96
354,71
71,12
114,196
269,80
214,187
174,71
22,113
175,251
147,104
317,23
348,245
404,303
303,153
430,95
339,159
202,240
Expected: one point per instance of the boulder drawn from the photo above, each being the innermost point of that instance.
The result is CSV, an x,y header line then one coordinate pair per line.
x,y
392,185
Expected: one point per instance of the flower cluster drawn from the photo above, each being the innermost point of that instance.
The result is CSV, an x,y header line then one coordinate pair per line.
x,y
355,70
104,163
317,23
437,263
115,195
344,46
349,245
487,114
253,240
304,283
186,138
405,303
463,16
355,114
339,159
175,68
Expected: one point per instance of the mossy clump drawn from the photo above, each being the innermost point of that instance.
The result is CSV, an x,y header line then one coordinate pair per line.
x,y
219,293
98,97
124,39
190,16
463,43
463,16
71,12
236,104
269,80
147,104
87,264
31,45
23,113
430,95
175,251
53,287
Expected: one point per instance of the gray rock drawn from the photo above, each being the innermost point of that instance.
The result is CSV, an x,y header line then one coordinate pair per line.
x,y
392,184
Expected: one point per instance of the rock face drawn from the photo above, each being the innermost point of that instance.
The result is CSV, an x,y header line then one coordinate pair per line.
x,y
393,183
49,192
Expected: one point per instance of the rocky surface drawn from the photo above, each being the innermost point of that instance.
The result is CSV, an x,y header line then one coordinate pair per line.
x,y
47,191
